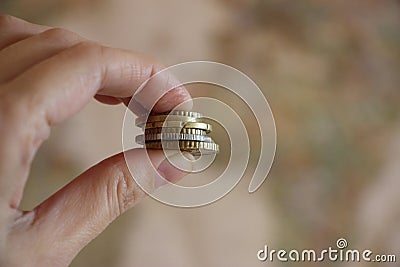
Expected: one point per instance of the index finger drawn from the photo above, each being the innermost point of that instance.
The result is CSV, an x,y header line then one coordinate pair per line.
x,y
64,83
13,29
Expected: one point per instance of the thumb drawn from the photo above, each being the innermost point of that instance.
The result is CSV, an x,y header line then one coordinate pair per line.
x,y
63,224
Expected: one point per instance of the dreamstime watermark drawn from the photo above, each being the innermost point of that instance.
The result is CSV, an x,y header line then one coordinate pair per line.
x,y
218,110
339,253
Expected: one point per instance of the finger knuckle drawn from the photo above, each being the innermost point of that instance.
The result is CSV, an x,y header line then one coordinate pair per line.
x,y
88,48
6,21
60,35
89,51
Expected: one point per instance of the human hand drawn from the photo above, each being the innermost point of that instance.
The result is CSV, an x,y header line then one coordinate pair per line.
x,y
46,76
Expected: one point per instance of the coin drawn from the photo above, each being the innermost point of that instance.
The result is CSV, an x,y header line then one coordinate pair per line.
x,y
194,147
141,139
140,121
184,113
171,115
178,124
175,130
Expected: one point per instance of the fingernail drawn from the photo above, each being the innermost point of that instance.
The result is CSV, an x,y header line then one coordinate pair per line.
x,y
170,173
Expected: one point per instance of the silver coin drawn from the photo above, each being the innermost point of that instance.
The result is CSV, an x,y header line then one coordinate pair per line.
x,y
175,130
141,121
142,139
193,114
196,148
178,124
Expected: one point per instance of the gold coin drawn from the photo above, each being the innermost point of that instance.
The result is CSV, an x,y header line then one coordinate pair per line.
x,y
183,113
179,124
194,147
141,139
175,130
140,121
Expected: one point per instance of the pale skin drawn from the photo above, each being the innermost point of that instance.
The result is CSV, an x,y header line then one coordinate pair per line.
x,y
46,76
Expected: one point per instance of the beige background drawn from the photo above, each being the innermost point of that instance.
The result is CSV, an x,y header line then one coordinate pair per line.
x,y
330,72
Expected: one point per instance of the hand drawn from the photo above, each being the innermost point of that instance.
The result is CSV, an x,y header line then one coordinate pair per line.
x,y
46,76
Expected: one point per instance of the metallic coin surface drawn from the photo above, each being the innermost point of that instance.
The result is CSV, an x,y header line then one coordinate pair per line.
x,y
140,121
175,130
141,139
194,147
178,124
184,113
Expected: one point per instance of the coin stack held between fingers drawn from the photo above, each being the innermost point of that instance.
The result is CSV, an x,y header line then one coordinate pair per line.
x,y
176,130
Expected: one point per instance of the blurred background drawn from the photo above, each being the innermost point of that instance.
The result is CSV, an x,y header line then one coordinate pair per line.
x,y
330,71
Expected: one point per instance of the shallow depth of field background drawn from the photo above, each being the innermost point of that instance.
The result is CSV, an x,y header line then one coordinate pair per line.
x,y
330,71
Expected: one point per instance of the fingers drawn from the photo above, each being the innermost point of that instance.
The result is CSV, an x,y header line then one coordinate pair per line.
x,y
53,75
75,75
24,54
81,210
13,30
58,87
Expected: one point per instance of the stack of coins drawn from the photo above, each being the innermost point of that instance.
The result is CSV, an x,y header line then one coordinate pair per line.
x,y
176,130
